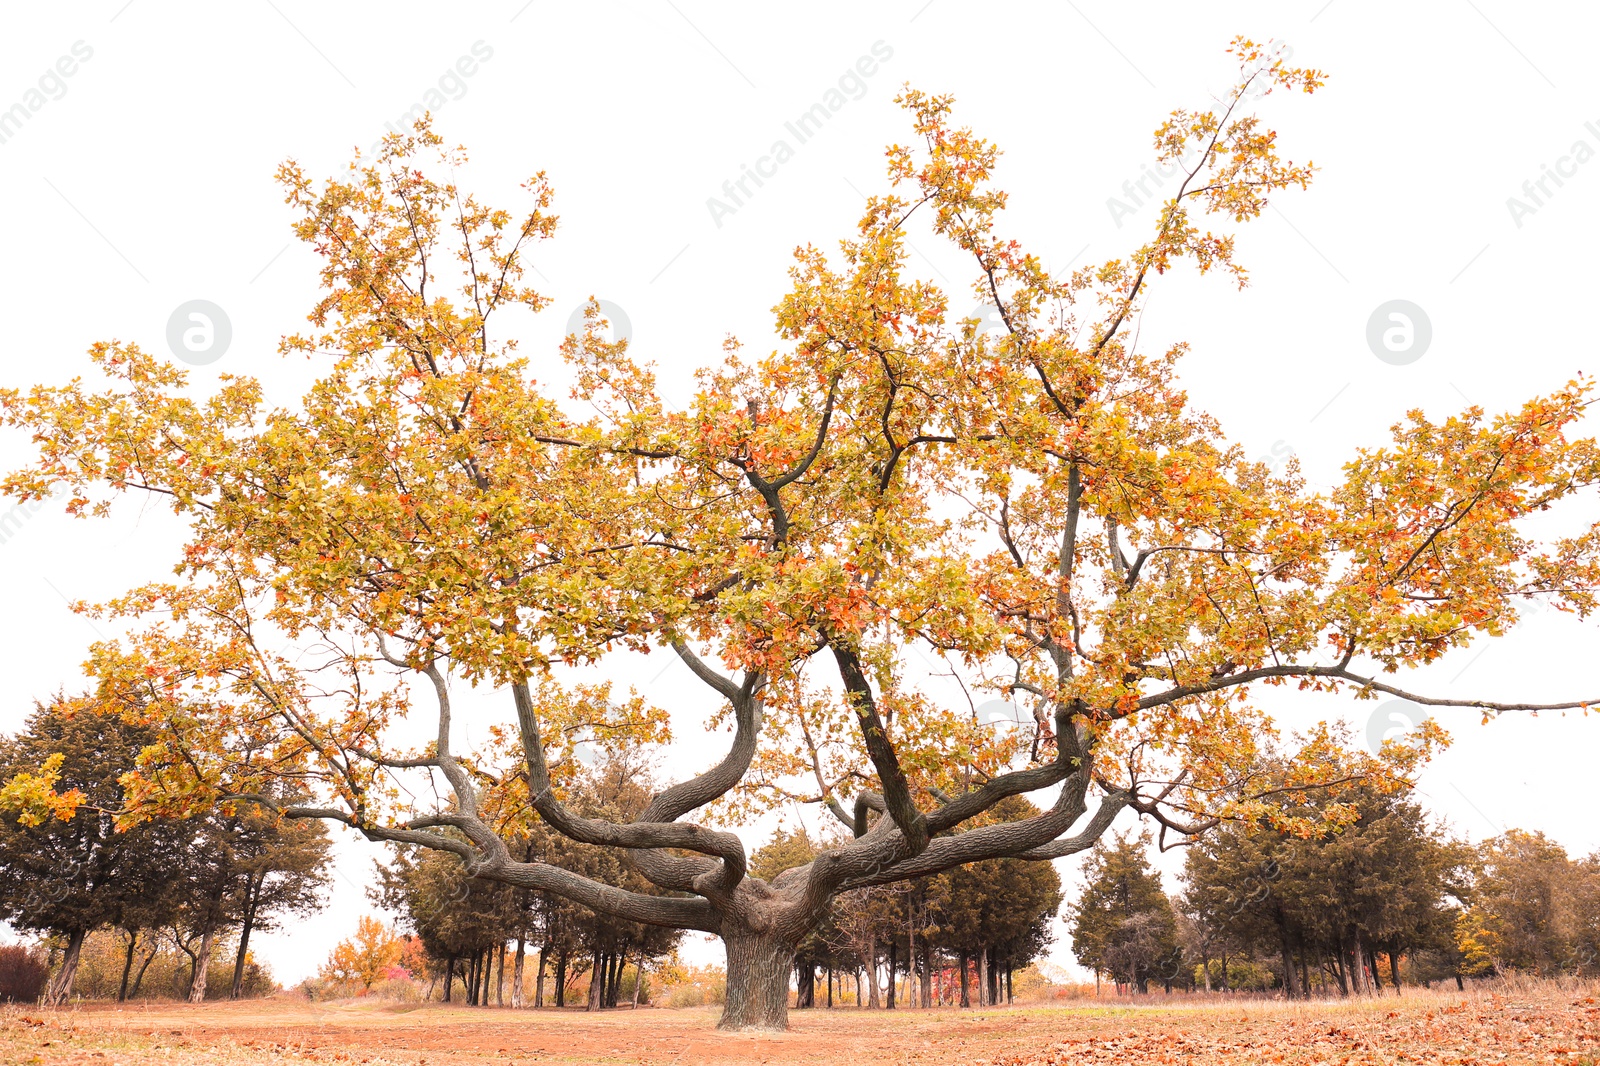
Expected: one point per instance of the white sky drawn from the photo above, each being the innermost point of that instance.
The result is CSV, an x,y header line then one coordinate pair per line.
x,y
144,180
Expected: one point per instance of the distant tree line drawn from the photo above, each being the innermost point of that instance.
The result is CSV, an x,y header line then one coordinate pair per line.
x,y
187,883
1391,898
954,937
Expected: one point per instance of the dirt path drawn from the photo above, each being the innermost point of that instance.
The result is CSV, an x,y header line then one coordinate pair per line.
x,y
1543,1027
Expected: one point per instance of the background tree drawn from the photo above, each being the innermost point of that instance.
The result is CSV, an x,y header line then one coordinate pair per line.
x,y
1388,883
1532,909
69,872
365,958
1123,923
1040,506
282,871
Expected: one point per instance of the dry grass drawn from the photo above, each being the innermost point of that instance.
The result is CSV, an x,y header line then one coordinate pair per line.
x,y
1514,1024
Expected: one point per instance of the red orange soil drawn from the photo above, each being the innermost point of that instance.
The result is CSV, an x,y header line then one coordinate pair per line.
x,y
1539,1026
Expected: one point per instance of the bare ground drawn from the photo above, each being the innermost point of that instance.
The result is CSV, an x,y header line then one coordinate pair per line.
x,y
1532,1025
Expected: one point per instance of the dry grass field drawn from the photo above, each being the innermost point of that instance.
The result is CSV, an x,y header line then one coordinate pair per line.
x,y
1533,1025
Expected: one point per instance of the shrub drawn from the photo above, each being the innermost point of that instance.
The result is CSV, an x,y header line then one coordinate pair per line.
x,y
23,972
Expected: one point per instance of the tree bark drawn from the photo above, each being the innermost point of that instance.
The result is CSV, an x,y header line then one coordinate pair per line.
x,y
872,974
984,999
127,966
596,981
245,928
538,980
60,987
202,965
758,982
1287,955
516,975
561,979
927,978
894,961
1394,970
500,977
138,978
965,1001
449,976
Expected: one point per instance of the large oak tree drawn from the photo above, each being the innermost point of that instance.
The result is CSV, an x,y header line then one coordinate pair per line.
x,y
1038,506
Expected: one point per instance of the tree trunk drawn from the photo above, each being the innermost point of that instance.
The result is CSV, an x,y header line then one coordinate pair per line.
x,y
927,978
872,974
965,1001
758,983
127,966
894,963
60,987
805,980
1011,995
596,979
516,975
1361,981
244,948
983,977
138,978
197,987
449,976
1289,990
638,977
538,981
561,979
830,987
500,977
1394,970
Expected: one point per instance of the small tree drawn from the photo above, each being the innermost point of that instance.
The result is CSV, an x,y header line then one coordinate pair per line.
x,y
281,867
1123,923
365,958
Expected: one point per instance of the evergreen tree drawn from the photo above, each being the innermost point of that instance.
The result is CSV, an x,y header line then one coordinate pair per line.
x,y
1123,923
71,876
